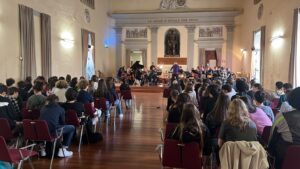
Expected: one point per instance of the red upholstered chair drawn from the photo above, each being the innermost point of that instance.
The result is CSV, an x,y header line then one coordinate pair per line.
x,y
25,113
292,157
100,103
71,118
266,134
37,130
16,156
31,114
126,95
6,133
177,155
170,127
90,111
172,154
191,156
166,93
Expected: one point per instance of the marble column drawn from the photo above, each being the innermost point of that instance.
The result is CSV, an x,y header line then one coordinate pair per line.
x,y
190,52
154,44
118,31
229,50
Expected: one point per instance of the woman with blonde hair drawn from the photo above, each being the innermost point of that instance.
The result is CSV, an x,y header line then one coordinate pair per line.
x,y
191,128
237,126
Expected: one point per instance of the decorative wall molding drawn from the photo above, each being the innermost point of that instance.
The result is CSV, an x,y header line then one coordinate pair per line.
x,y
136,44
136,33
156,18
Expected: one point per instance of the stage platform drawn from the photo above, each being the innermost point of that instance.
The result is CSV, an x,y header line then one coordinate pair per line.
x,y
146,89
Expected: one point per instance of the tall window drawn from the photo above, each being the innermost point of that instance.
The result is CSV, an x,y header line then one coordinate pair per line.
x,y
295,51
256,57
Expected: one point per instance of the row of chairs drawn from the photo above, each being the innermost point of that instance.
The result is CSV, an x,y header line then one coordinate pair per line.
x,y
34,131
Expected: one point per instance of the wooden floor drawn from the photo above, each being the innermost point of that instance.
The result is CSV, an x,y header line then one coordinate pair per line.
x,y
129,143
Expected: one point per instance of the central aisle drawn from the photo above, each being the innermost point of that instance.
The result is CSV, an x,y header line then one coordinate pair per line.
x,y
129,143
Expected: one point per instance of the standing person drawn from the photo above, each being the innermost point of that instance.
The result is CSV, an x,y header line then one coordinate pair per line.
x,y
175,71
54,115
115,100
36,101
237,126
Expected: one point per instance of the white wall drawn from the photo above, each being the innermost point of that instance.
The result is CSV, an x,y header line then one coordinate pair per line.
x,y
277,17
136,5
66,16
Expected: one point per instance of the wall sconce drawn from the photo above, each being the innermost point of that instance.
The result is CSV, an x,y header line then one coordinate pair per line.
x,y
67,43
106,45
91,46
244,51
275,38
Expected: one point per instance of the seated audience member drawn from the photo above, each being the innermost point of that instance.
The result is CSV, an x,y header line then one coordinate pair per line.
x,y
102,92
37,100
112,90
60,90
84,96
256,87
189,89
216,117
259,98
241,89
68,79
28,83
286,129
54,115
10,82
237,126
13,94
73,83
23,94
175,110
279,90
287,87
228,90
176,85
7,110
124,87
172,99
72,103
210,100
192,129
95,80
257,115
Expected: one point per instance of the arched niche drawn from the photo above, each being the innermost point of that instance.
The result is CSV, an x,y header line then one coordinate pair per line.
x,y
172,43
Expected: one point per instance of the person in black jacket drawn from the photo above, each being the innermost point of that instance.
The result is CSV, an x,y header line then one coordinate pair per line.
x,y
7,110
175,110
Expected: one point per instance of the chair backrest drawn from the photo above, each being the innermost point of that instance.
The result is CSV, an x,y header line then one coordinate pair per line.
x,y
34,114
71,118
292,157
25,113
177,155
126,95
29,130
170,128
266,134
89,110
5,130
100,103
4,155
191,156
42,130
166,93
172,154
